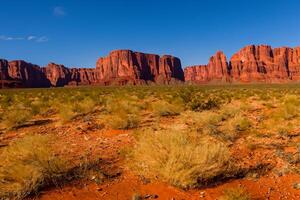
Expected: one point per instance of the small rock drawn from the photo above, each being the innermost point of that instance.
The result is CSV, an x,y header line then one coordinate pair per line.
x,y
145,180
136,197
296,186
255,175
202,194
151,196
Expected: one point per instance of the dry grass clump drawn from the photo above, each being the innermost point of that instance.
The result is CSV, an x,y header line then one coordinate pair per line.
x,y
15,118
199,104
284,117
290,107
226,123
235,194
28,164
123,121
164,108
287,108
126,105
180,159
85,106
206,122
233,126
66,113
123,114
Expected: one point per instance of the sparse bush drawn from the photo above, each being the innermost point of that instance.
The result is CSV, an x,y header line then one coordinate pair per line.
x,y
36,107
231,128
15,118
235,194
290,107
85,106
230,110
66,113
208,123
116,105
28,164
237,123
123,121
163,108
179,159
123,114
200,103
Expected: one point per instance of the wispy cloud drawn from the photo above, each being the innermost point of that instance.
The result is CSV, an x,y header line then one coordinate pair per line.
x,y
31,38
42,39
59,11
6,38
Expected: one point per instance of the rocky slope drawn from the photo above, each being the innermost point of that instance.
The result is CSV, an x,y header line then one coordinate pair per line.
x,y
251,64
120,67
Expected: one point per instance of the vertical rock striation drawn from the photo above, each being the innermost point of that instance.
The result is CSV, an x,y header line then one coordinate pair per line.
x,y
250,64
120,67
125,66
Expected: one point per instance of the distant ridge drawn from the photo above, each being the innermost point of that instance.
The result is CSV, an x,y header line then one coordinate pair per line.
x,y
251,64
120,67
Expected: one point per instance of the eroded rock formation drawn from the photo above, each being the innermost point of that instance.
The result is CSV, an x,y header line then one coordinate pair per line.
x,y
134,67
19,73
216,70
251,64
120,67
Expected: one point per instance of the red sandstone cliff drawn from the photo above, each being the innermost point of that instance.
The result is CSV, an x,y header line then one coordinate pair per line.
x,y
251,64
119,67
216,70
134,67
19,73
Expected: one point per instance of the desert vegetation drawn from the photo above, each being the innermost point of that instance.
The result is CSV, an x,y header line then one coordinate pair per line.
x,y
27,165
238,193
180,159
190,137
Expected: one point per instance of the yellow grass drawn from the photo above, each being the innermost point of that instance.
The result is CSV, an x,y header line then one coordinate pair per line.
x,y
179,159
28,164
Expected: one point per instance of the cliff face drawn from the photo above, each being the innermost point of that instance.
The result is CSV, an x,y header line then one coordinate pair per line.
x,y
134,67
119,67
59,75
217,70
22,74
250,64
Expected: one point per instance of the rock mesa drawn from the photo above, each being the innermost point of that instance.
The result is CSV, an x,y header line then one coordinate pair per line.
x,y
120,67
251,64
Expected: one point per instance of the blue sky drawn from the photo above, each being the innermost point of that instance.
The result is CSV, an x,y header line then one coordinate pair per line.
x,y
77,32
